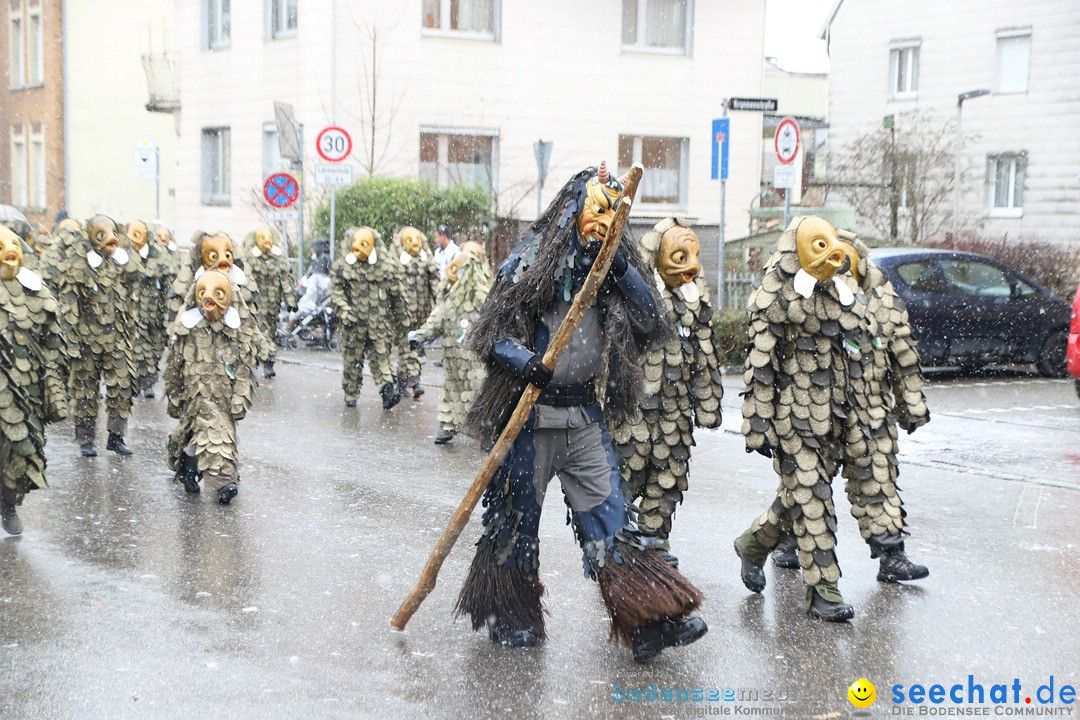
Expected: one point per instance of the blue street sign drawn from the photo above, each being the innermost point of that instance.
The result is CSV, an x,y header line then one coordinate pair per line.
x,y
721,138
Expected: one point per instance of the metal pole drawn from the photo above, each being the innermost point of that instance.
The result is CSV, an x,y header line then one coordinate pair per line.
x,y
956,166
787,209
333,118
300,202
157,183
720,239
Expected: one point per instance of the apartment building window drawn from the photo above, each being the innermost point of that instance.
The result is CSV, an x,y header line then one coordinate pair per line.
x,y
218,26
215,166
282,18
1005,177
477,19
36,185
904,69
19,194
665,160
35,46
16,38
657,25
459,157
1013,61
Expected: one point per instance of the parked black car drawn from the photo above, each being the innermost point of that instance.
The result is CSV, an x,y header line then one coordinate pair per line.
x,y
972,311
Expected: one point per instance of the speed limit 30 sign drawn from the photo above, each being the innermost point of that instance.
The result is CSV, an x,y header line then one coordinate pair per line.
x,y
333,144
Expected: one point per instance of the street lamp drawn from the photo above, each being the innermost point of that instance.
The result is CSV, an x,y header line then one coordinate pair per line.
x,y
959,141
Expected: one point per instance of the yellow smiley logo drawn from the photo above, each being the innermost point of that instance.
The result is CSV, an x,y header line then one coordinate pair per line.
x,y
862,693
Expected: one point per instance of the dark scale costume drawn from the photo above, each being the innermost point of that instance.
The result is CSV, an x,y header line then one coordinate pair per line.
x,y
369,300
158,272
33,386
420,277
682,388
817,397
599,373
274,277
451,319
209,385
183,288
97,302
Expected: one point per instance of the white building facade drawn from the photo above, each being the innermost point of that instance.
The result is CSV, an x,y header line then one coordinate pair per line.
x,y
460,91
1020,147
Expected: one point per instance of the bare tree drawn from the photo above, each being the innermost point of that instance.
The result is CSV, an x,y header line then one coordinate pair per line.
x,y
378,106
900,180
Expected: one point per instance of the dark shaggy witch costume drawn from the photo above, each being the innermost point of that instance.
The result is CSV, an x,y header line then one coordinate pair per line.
x,y
598,373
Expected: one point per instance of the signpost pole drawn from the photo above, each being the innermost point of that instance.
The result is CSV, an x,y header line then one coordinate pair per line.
x,y
157,183
300,208
721,294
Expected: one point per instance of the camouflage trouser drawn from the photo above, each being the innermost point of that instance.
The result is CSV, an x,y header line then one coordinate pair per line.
x,y
267,321
870,468
356,347
87,372
408,362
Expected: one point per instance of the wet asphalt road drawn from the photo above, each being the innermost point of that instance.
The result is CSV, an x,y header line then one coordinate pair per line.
x,y
126,598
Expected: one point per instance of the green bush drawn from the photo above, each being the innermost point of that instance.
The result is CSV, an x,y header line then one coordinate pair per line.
x,y
730,336
384,203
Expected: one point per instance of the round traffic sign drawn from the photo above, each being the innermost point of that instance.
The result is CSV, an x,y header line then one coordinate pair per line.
x,y
786,141
333,144
281,190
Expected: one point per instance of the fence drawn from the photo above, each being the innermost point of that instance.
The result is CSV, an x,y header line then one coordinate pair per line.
x,y
737,287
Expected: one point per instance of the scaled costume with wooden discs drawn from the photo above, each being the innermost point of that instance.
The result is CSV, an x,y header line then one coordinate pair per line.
x,y
369,300
682,387
157,274
420,275
818,378
599,372
209,386
96,284
469,280
273,274
33,377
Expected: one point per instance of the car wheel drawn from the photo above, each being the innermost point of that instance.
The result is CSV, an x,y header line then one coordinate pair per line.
x,y
1051,362
1078,388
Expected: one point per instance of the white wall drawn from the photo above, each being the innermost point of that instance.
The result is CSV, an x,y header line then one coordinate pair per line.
x,y
557,73
106,95
957,55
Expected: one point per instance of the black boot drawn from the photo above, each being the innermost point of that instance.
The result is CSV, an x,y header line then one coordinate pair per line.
x,y
350,402
786,554
10,518
834,610
116,444
444,436
664,633
87,449
189,475
512,637
417,391
895,565
753,577
667,557
268,369
148,392
226,493
390,396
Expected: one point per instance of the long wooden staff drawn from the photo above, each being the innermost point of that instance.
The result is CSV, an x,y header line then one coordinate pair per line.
x,y
582,302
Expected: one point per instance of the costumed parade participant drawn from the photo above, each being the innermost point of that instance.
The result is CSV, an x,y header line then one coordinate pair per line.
x,y
209,386
817,376
274,276
67,237
368,298
871,477
33,378
682,387
157,273
648,601
420,275
97,304
470,281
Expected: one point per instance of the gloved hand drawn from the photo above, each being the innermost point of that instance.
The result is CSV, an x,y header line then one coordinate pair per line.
x,y
537,372
414,341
